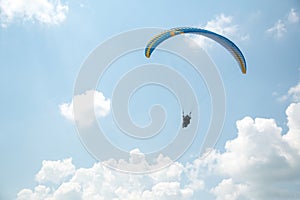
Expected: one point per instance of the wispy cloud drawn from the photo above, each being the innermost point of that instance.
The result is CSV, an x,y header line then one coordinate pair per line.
x,y
293,16
279,29
43,11
293,94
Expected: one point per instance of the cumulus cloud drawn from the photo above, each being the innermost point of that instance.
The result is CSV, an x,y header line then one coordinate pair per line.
x,y
137,162
55,171
166,191
43,11
223,25
228,190
100,182
261,163
101,107
293,136
38,193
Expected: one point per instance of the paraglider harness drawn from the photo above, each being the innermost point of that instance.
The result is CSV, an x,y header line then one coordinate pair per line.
x,y
186,119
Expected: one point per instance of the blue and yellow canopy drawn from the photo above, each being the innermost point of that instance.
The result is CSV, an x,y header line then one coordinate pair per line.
x,y
225,42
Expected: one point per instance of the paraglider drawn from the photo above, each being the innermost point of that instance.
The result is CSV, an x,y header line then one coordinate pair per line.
x,y
225,42
186,119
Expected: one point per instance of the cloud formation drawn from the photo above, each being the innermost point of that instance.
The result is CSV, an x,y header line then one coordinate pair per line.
x,y
138,163
101,107
55,171
261,163
99,182
293,16
42,11
279,29
228,190
293,94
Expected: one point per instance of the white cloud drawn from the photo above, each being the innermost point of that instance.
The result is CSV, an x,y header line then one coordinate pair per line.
x,y
55,171
101,107
68,190
43,11
264,162
99,182
293,136
293,94
138,163
40,192
293,16
66,110
228,190
261,163
278,29
222,25
166,191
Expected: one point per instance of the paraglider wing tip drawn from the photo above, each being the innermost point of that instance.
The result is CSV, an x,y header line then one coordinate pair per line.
x,y
148,52
244,71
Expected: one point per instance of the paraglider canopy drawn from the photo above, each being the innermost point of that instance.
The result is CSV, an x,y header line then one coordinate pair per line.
x,y
225,42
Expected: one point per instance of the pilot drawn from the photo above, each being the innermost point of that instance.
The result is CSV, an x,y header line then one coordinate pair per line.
x,y
186,119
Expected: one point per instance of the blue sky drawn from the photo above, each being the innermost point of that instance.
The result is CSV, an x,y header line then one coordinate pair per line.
x,y
42,48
